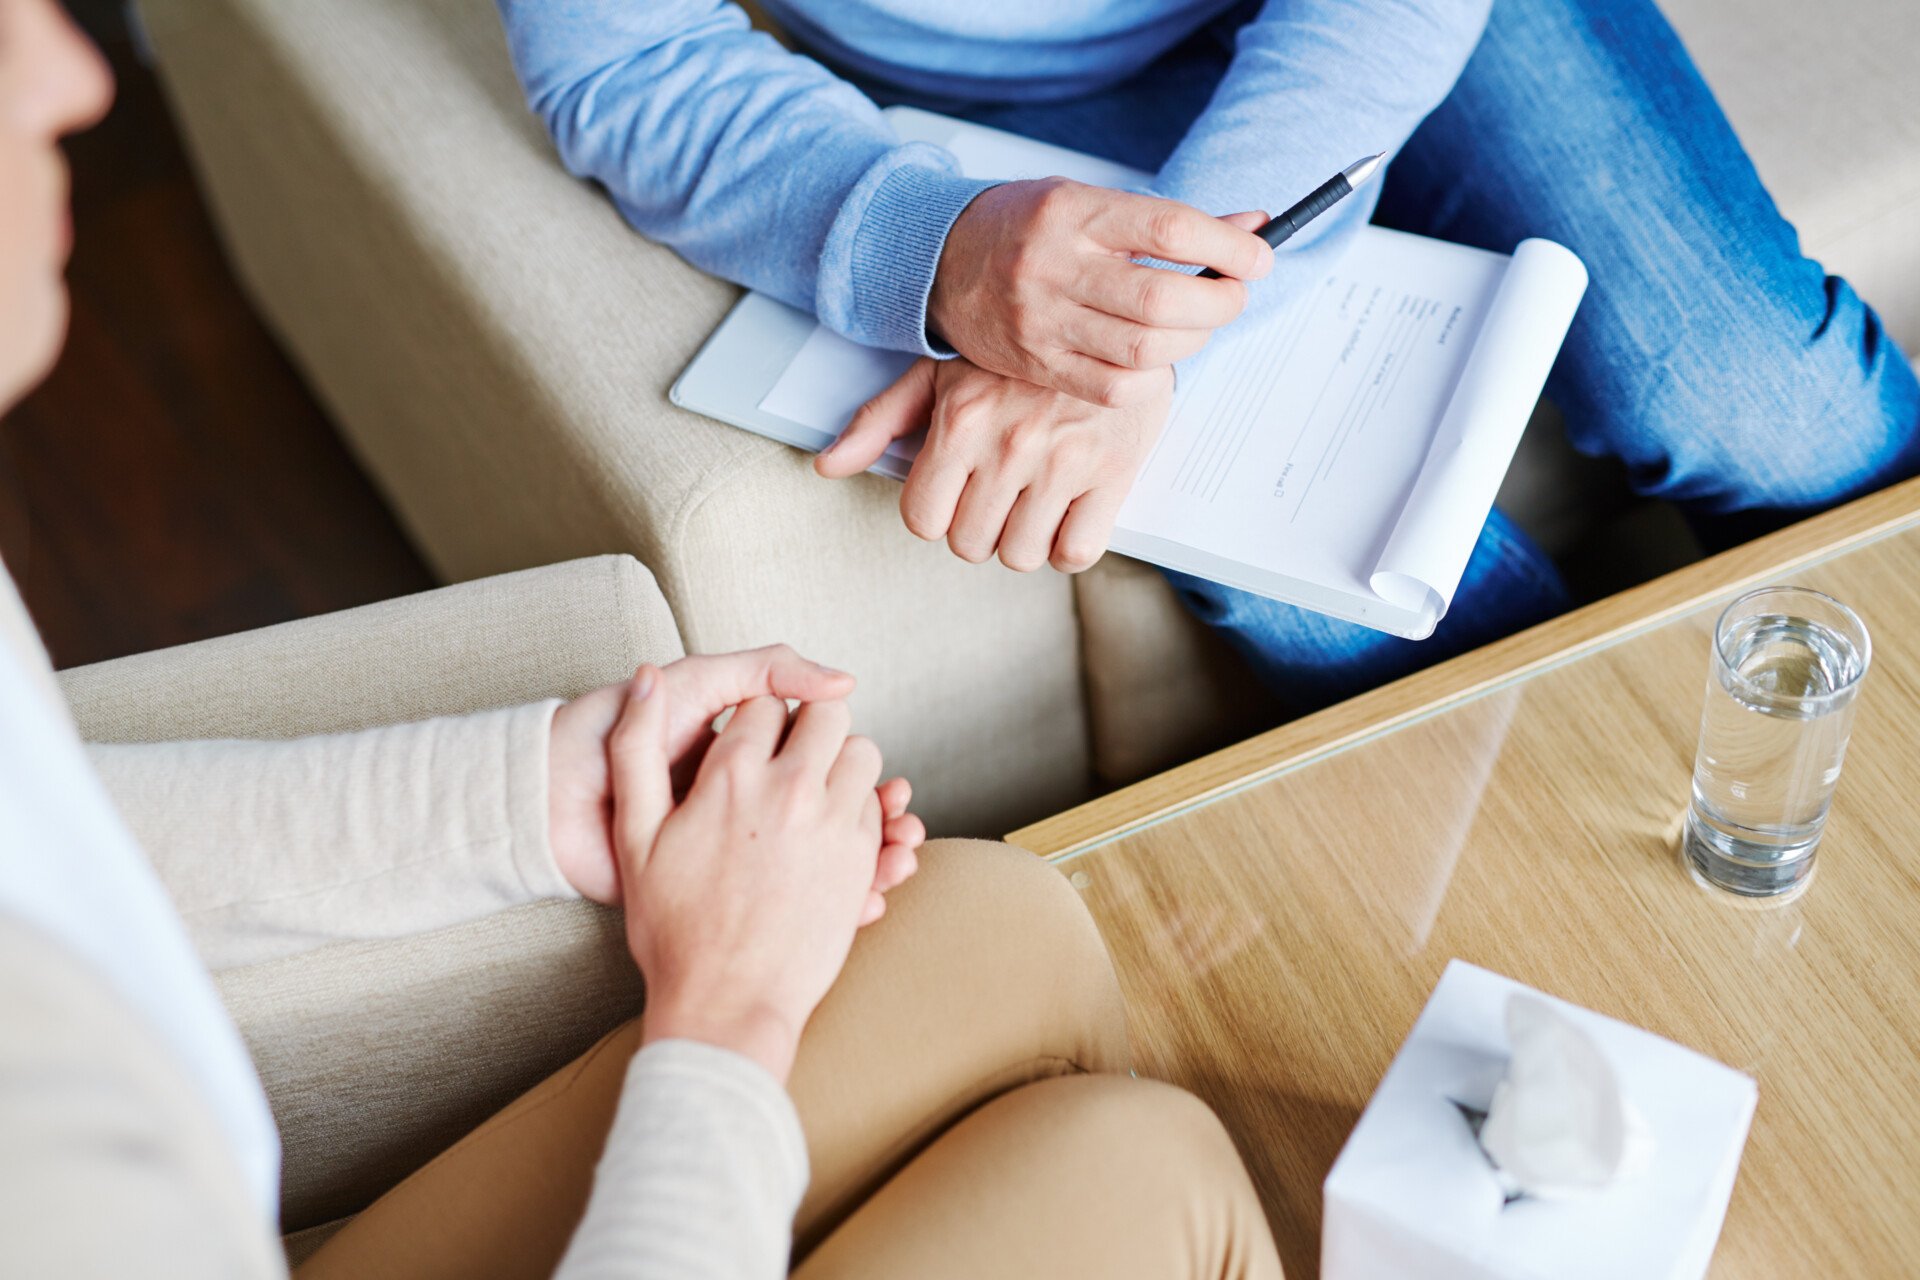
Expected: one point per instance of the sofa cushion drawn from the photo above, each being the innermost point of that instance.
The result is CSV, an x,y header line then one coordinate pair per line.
x,y
1163,688
379,1055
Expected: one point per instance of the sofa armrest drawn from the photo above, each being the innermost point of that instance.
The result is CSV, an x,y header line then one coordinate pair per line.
x,y
540,633
378,1055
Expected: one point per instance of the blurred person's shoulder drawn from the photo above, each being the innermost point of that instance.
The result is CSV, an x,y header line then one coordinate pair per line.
x,y
109,1162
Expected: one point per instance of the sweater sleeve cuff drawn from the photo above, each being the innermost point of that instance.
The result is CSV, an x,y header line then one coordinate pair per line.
x,y
895,252
526,767
677,1065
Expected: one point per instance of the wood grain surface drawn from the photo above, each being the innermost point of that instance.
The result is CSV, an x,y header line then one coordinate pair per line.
x,y
1277,943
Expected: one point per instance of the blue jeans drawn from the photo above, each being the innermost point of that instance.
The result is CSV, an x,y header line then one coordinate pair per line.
x,y
1728,373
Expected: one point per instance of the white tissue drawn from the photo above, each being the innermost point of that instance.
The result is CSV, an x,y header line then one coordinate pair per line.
x,y
1559,1125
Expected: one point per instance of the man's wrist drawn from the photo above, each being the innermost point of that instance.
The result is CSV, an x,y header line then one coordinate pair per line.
x,y
893,256
940,288
954,264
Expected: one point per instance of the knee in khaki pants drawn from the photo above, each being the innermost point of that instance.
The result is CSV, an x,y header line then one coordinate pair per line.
x,y
1088,1176
987,973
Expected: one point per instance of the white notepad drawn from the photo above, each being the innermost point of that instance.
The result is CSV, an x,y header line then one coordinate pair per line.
x,y
1340,453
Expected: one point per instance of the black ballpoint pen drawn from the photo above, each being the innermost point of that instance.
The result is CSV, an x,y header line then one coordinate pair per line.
x,y
1325,196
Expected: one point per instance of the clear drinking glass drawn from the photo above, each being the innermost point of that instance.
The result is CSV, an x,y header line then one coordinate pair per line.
x,y
1787,663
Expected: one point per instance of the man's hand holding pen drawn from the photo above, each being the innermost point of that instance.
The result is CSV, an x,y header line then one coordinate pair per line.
x,y
1037,281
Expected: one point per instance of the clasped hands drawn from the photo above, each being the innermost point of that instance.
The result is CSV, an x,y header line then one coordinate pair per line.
x,y
745,858
1037,430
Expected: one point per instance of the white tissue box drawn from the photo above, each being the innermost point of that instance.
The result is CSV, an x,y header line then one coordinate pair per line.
x,y
1412,1195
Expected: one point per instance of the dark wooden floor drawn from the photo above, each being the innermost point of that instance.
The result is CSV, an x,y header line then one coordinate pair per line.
x,y
174,479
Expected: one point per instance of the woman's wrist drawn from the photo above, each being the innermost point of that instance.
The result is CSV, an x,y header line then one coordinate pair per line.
x,y
577,789
756,1032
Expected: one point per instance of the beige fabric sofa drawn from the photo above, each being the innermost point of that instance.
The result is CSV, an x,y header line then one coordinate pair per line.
x,y
496,345
378,1055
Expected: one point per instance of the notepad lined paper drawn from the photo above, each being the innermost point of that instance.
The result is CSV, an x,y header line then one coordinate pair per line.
x,y
1302,431
1353,440
1339,452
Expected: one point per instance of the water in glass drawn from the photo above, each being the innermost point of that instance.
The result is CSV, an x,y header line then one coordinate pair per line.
x,y
1779,709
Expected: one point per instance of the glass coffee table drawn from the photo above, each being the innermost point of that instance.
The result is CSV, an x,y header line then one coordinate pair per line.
x,y
1280,911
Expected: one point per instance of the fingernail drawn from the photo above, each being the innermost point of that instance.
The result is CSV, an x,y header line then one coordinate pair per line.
x,y
832,671
643,683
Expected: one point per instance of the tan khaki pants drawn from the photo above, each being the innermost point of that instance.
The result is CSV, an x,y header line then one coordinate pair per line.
x,y
966,1110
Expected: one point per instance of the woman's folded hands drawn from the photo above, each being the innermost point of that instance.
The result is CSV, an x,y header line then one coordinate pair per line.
x,y
746,858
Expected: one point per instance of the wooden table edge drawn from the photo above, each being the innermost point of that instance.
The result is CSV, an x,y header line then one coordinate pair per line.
x,y
1593,626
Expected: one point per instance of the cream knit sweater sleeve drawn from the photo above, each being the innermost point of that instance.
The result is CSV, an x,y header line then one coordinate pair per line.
x,y
275,847
702,1173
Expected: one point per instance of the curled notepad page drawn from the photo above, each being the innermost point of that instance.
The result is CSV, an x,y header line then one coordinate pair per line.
x,y
1421,565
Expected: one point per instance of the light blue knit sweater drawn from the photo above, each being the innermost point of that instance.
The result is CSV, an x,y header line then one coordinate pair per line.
x,y
761,166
